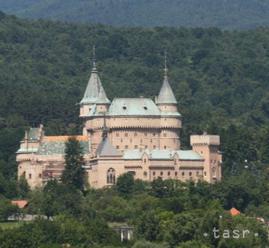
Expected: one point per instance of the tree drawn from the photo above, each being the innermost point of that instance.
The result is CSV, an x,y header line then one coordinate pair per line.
x,y
125,184
7,209
22,187
148,226
74,174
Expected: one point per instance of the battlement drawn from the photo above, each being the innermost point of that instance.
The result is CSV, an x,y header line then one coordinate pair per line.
x,y
205,139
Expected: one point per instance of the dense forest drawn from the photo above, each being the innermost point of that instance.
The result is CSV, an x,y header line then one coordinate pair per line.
x,y
220,79
226,14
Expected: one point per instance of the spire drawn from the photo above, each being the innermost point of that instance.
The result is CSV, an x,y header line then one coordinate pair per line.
x,y
165,66
94,69
94,92
166,95
105,128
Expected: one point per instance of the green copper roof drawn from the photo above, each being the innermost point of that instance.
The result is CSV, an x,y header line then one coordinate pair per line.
x,y
170,114
133,106
95,92
33,134
166,95
27,150
162,154
58,148
189,155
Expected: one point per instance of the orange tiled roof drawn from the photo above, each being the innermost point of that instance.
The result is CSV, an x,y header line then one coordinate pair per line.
x,y
64,138
20,203
234,212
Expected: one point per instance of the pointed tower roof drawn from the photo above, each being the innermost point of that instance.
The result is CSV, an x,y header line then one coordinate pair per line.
x,y
94,92
105,149
166,95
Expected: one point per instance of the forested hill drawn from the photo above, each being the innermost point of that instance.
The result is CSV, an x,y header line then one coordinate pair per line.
x,y
228,14
219,78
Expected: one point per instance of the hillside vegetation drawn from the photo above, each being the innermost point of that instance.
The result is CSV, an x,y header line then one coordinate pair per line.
x,y
221,82
228,14
219,78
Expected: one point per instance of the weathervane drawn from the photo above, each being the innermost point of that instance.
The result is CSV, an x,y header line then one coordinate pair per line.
x,y
165,64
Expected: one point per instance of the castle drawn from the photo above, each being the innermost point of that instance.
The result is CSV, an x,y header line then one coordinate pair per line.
x,y
136,135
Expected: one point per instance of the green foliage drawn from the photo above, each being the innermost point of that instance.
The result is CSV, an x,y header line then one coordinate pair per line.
x,y
190,13
22,187
74,174
125,184
7,209
217,76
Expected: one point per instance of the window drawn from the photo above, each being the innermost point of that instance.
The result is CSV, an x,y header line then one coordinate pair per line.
x,y
145,161
111,176
176,173
153,173
126,134
164,147
164,135
190,173
124,107
183,173
126,147
205,173
161,173
132,173
118,147
30,176
154,147
154,134
135,134
214,171
145,173
168,173
145,107
197,173
146,146
145,134
121,140
117,134
40,175
136,146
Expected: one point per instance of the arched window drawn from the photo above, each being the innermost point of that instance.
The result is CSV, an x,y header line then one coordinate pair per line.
x,y
111,176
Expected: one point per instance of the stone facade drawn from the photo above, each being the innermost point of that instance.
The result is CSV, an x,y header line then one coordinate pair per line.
x,y
136,135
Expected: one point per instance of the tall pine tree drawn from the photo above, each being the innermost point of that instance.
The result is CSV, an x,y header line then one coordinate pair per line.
x,y
73,174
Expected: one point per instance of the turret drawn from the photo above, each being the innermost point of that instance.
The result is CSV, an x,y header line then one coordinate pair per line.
x,y
208,147
166,100
94,99
93,107
170,118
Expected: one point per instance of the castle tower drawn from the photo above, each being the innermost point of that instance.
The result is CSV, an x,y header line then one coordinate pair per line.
x,y
93,107
208,147
170,118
